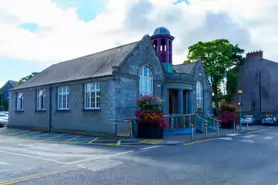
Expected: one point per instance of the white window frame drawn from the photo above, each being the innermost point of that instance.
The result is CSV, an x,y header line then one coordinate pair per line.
x,y
92,96
145,81
199,95
63,95
19,102
41,95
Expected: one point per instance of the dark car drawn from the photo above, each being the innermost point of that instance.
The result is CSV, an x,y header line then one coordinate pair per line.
x,y
269,121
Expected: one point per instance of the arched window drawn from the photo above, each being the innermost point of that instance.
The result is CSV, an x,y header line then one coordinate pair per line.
x,y
146,82
199,95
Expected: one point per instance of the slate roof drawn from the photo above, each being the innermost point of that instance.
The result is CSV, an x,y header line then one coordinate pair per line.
x,y
185,68
90,66
14,83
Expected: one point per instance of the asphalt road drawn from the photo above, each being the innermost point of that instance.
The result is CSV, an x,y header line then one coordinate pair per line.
x,y
249,159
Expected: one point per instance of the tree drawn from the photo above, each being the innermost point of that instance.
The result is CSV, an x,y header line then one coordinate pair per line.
x,y
218,57
232,74
26,78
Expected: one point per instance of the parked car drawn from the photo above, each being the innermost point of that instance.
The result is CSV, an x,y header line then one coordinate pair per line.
x,y
3,120
250,119
269,121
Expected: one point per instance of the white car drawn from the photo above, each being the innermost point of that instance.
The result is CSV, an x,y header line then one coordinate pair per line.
x,y
3,120
248,119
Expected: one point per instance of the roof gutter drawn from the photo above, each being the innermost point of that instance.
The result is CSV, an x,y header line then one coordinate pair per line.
x,y
50,109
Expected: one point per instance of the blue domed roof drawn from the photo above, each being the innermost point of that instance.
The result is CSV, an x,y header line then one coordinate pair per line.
x,y
161,31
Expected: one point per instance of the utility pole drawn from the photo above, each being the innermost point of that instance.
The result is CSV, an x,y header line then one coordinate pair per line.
x,y
240,105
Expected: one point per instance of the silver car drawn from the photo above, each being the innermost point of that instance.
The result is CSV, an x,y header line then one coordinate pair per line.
x,y
3,119
248,119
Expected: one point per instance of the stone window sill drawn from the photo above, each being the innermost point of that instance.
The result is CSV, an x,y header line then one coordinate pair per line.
x,y
63,110
94,109
42,110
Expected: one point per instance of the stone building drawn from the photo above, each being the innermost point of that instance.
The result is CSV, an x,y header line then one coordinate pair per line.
x,y
257,79
5,94
83,94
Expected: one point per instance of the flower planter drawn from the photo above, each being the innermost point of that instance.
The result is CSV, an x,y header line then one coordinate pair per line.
x,y
149,131
150,120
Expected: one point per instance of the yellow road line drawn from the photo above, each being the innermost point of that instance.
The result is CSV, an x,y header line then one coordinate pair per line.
x,y
31,139
150,141
17,132
201,141
71,139
254,131
36,176
119,143
53,137
94,140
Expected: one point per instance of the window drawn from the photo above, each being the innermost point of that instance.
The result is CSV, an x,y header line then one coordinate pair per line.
x,y
63,98
92,96
146,82
41,99
199,95
19,102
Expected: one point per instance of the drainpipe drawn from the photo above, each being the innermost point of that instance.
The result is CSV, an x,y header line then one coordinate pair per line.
x,y
50,109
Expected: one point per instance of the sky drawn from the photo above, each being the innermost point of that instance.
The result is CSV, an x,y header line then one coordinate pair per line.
x,y
35,34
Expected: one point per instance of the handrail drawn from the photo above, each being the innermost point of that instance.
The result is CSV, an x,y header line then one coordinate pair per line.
x,y
202,118
214,119
168,115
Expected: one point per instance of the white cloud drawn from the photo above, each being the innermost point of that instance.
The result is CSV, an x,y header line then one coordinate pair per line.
x,y
62,35
1,84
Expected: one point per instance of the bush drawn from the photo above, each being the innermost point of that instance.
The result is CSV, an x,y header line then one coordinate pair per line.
x,y
227,108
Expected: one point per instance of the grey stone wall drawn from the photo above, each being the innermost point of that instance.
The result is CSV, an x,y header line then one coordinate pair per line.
x,y
200,75
75,119
29,117
258,81
79,119
127,80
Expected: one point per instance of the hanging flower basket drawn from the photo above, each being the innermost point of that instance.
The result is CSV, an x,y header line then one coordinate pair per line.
x,y
199,110
150,120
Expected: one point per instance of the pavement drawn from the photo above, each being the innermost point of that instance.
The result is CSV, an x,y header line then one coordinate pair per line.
x,y
231,159
18,135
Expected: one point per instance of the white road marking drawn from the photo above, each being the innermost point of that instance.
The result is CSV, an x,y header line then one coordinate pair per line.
x,y
225,138
4,163
249,136
103,157
268,137
247,141
151,147
30,156
232,134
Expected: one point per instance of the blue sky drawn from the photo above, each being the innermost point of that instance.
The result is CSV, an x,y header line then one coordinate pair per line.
x,y
15,69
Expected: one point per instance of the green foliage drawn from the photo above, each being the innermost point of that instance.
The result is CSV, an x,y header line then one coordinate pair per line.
x,y
6,105
26,78
218,57
232,74
227,108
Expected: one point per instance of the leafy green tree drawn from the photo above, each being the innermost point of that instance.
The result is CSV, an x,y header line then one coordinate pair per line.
x,y
232,74
6,105
218,57
26,78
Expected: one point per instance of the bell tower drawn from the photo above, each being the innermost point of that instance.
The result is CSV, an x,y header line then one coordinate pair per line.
x,y
162,42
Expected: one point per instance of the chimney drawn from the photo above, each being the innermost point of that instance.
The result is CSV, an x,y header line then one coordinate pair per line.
x,y
254,55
